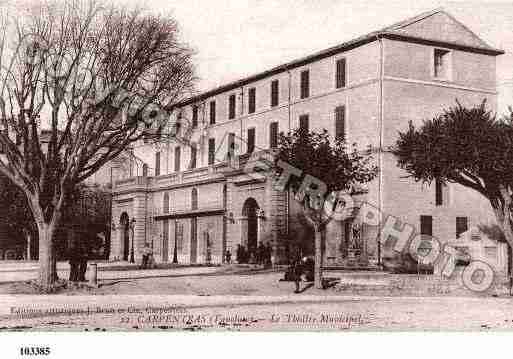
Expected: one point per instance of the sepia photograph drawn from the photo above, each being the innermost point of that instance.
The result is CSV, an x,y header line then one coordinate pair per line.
x,y
255,166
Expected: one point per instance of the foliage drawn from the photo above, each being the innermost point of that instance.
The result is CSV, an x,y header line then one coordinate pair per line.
x,y
328,160
80,82
468,146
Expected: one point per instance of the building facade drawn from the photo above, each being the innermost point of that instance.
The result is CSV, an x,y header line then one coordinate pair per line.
x,y
199,199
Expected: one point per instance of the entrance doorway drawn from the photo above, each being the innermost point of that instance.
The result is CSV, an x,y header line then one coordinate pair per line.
x,y
125,232
250,211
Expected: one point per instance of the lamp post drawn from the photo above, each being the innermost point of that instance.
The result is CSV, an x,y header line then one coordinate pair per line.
x,y
175,252
132,227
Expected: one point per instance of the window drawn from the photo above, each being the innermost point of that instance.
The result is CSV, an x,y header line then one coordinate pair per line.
x,y
340,80
273,135
305,84
275,90
145,170
194,199
211,150
212,112
251,100
231,145
2,149
340,122
439,194
461,226
303,122
231,107
194,155
426,225
165,203
157,164
179,236
251,140
194,116
177,159
442,64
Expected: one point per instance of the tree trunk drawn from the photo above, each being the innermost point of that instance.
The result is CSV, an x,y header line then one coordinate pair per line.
x,y
318,259
47,259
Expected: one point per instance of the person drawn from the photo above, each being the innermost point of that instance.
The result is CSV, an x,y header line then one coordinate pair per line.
x,y
73,262
82,261
308,268
146,254
228,256
297,272
268,254
239,254
261,254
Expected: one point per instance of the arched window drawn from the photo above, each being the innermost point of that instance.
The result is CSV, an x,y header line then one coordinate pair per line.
x,y
194,199
165,203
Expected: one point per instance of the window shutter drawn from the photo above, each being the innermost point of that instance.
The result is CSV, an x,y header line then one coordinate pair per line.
x,y
157,164
231,145
252,100
340,122
305,84
439,196
195,116
251,140
341,73
426,225
303,122
212,112
273,133
274,93
461,226
177,159
231,105
211,150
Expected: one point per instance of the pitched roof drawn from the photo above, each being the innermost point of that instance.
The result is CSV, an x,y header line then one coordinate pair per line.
x,y
426,28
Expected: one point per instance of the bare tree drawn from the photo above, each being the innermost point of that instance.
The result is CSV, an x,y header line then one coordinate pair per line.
x,y
80,81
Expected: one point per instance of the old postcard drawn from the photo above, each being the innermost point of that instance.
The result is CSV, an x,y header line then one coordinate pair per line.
x,y
216,166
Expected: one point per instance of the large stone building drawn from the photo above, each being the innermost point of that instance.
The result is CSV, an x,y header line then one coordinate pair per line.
x,y
196,202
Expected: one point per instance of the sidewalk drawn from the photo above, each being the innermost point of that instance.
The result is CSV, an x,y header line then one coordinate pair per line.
x,y
107,271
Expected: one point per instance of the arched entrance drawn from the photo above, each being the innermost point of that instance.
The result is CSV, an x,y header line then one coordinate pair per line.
x,y
250,214
124,222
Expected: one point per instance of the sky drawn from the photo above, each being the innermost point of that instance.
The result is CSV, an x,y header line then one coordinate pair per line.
x,y
233,39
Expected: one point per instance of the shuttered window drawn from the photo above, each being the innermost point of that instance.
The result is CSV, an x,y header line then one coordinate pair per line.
x,y
177,159
231,145
304,123
439,193
305,84
340,122
426,225
231,107
194,155
273,135
212,112
157,164
275,88
194,116
211,150
251,140
341,73
461,226
252,100
194,199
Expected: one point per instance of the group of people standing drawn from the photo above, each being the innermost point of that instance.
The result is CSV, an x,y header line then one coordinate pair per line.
x,y
262,255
